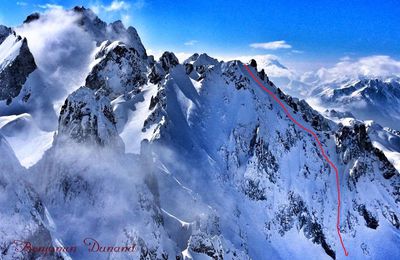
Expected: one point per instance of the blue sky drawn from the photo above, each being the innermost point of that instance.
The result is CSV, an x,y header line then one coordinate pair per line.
x,y
302,32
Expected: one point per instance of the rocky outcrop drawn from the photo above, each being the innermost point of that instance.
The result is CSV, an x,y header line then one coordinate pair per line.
x,y
353,142
115,31
197,65
4,33
88,118
119,71
167,61
16,63
32,17
296,213
317,121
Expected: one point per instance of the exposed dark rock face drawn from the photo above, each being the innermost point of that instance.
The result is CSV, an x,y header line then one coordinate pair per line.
x,y
388,169
14,73
357,152
202,243
158,71
168,60
156,74
314,230
115,31
318,122
158,104
232,74
88,118
353,142
267,161
197,66
32,17
263,75
370,220
4,33
120,71
253,63
297,213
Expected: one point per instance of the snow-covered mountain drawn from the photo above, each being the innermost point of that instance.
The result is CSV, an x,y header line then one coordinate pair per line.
x,y
16,64
64,45
24,217
184,160
368,99
368,91
285,78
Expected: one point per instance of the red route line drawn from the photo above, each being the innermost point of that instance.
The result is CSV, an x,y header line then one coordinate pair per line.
x,y
319,145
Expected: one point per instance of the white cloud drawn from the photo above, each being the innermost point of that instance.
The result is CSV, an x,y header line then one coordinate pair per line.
x,y
297,51
50,6
116,5
96,8
22,3
270,63
379,66
117,10
180,55
126,19
191,42
345,58
371,66
271,45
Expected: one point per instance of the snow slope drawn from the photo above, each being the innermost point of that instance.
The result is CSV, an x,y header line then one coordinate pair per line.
x,y
229,132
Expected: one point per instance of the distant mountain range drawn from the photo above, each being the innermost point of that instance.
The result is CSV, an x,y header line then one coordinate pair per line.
x,y
367,97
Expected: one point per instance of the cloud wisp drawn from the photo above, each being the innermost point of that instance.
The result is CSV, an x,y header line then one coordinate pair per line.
x,y
22,3
275,45
191,42
375,66
116,5
50,6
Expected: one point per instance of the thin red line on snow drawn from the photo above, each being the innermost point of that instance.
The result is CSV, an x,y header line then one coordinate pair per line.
x,y
319,145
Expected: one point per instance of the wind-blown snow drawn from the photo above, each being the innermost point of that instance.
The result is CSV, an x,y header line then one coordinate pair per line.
x,y
9,50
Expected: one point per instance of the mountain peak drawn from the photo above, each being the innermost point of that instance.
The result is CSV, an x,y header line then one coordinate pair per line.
x,y
119,71
87,117
168,60
118,25
4,32
32,17
16,63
